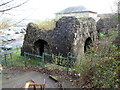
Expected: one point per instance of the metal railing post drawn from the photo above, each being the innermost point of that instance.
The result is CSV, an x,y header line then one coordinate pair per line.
x,y
11,59
43,58
5,60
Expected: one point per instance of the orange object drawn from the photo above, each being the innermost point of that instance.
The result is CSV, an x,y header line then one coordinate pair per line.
x,y
35,85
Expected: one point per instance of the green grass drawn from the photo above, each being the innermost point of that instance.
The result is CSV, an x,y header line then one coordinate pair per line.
x,y
15,49
46,25
15,59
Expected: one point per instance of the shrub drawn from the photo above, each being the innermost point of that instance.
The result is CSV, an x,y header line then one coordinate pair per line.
x,y
106,74
101,67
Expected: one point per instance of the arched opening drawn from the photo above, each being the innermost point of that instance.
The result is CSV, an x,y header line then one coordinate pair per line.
x,y
88,45
40,47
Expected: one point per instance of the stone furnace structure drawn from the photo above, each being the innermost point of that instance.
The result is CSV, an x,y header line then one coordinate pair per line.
x,y
71,35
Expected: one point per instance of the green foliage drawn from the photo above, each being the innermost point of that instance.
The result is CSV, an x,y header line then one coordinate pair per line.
x,y
84,67
101,35
107,66
100,70
46,25
62,61
66,62
101,67
107,70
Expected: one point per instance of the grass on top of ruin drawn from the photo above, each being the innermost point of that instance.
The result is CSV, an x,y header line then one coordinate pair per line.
x,y
46,24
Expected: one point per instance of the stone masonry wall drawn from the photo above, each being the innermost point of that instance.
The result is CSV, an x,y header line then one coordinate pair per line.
x,y
69,36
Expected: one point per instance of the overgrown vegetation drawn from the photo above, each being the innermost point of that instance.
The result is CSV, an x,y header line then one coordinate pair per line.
x,y
106,74
101,69
46,25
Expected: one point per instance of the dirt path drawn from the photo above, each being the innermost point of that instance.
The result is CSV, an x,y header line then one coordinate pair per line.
x,y
17,78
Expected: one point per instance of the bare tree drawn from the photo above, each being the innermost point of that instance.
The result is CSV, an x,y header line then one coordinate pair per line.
x,y
6,6
4,23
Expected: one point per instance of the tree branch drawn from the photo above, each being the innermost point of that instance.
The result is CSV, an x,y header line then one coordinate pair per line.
x,y
6,3
13,7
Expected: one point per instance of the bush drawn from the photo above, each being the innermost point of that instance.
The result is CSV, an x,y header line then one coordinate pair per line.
x,y
101,67
106,74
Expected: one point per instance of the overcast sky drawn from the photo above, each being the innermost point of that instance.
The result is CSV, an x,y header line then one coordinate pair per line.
x,y
43,9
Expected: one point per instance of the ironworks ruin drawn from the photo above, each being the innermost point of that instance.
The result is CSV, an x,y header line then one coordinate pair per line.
x,y
71,35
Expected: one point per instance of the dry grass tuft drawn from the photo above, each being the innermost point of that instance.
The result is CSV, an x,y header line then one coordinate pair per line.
x,y
46,25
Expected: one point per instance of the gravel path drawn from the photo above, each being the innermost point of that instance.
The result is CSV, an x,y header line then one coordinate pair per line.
x,y
17,79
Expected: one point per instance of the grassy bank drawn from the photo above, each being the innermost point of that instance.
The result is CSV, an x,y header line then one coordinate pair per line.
x,y
15,59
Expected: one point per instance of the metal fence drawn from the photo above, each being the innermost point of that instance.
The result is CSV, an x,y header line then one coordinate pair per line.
x,y
67,61
13,59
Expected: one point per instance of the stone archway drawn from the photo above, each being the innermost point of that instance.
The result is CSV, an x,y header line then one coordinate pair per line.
x,y
40,46
87,45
